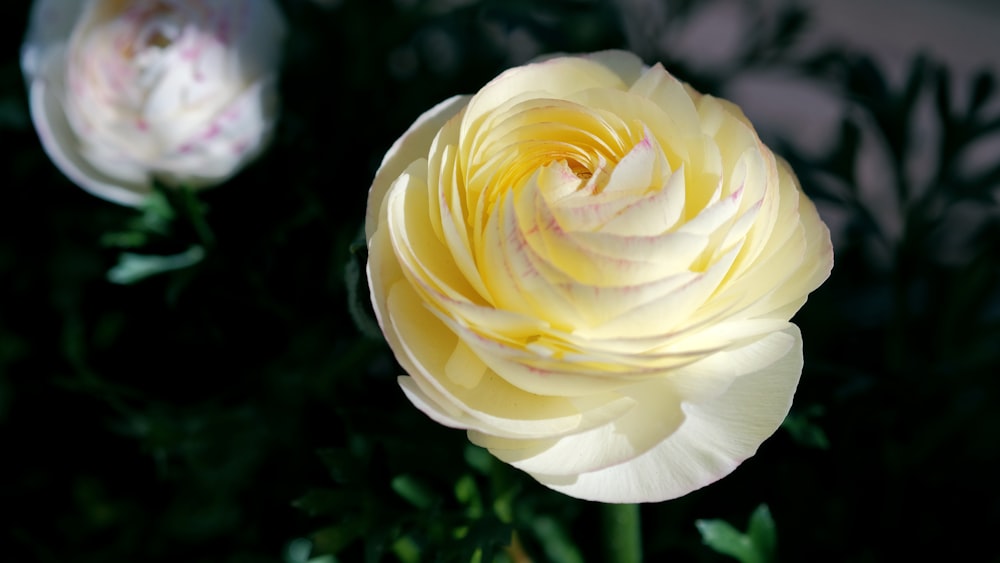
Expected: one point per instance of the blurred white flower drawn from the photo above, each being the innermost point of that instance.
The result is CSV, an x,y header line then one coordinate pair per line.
x,y
125,92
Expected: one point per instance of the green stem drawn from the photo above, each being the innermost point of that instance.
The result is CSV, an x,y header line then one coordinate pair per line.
x,y
196,214
622,533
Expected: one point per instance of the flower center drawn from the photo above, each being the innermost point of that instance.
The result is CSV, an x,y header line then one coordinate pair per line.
x,y
578,168
158,40
147,28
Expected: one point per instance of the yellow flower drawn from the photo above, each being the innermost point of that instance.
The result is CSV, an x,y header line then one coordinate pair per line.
x,y
591,268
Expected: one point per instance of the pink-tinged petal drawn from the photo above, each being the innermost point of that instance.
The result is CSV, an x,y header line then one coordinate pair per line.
x,y
491,405
660,87
714,438
711,219
412,145
809,246
655,416
422,255
526,129
62,146
651,215
449,218
596,258
541,359
219,148
674,310
658,413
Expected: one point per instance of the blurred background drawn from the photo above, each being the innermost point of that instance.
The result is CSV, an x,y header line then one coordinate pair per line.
x,y
241,408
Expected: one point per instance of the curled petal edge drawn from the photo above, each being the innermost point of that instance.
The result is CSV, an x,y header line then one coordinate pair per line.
x,y
409,147
59,142
714,438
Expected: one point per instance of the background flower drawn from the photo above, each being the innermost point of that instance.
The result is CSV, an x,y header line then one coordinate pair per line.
x,y
180,91
591,268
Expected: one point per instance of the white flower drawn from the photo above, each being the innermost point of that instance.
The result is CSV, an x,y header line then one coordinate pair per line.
x,y
125,92
591,268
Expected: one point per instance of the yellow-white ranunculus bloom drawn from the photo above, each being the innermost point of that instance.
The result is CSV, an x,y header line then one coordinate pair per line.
x,y
591,268
125,92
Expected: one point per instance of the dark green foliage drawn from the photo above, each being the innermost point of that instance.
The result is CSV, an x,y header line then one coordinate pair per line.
x,y
202,380
757,545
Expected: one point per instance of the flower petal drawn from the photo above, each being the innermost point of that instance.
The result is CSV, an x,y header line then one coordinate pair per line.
x,y
714,438
129,186
49,27
424,347
412,145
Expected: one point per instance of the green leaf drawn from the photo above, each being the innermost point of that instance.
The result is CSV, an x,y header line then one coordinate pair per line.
x,y
195,211
132,267
478,458
342,463
503,505
763,533
467,493
157,214
556,543
127,239
416,493
804,430
298,551
407,550
155,220
758,545
333,539
727,540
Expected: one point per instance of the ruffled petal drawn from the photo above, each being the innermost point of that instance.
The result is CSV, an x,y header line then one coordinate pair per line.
x,y
714,438
412,145
130,184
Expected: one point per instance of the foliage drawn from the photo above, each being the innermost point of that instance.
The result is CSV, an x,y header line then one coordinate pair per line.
x,y
757,545
199,380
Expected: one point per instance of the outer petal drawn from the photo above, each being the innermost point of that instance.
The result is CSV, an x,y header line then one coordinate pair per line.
x,y
454,388
715,437
658,413
43,61
557,77
49,27
130,187
227,142
412,145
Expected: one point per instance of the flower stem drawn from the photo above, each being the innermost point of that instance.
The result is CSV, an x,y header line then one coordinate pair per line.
x,y
622,533
196,214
